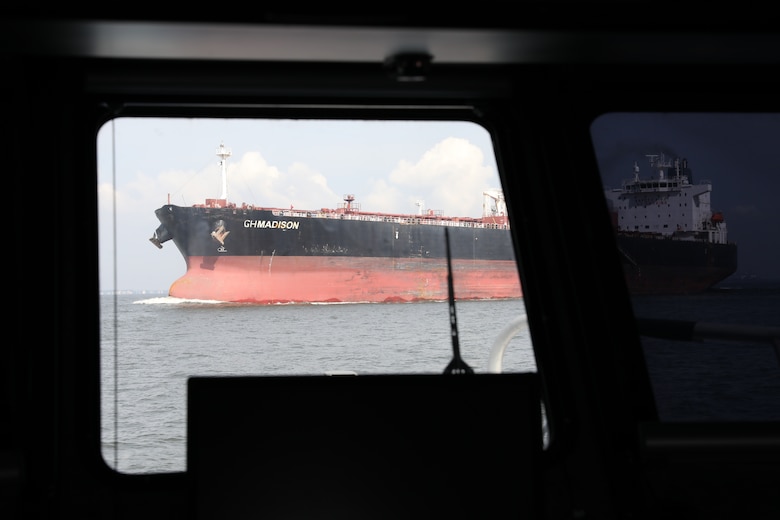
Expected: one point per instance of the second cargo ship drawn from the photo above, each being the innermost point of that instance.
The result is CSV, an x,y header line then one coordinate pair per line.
x,y
669,238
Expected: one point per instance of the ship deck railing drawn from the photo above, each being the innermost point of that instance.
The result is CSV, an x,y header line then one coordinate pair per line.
x,y
433,220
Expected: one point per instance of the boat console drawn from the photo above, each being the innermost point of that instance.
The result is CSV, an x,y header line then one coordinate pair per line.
x,y
421,445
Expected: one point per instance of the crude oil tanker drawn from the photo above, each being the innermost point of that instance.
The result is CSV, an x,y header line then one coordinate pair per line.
x,y
252,254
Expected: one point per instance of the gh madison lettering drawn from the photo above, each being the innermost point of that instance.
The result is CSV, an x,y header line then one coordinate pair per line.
x,y
253,254
273,224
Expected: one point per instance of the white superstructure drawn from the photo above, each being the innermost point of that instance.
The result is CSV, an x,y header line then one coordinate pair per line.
x,y
493,203
668,204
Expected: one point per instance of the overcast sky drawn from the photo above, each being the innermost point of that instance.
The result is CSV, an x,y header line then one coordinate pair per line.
x,y
390,166
387,166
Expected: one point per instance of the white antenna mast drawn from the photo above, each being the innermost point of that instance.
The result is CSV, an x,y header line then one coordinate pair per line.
x,y
223,153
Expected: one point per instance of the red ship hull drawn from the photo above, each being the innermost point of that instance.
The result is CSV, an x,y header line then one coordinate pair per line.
x,y
264,280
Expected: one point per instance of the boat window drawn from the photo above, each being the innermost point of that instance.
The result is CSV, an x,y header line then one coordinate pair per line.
x,y
292,247
705,283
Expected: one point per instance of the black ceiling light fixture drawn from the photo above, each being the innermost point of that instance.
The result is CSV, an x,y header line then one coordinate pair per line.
x,y
409,66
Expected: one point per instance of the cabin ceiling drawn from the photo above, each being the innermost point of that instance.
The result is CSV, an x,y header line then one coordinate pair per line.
x,y
458,39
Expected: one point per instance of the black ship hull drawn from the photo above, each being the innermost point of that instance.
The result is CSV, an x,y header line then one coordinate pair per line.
x,y
269,255
663,265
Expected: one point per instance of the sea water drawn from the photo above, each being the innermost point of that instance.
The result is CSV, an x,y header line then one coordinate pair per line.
x,y
152,345
716,380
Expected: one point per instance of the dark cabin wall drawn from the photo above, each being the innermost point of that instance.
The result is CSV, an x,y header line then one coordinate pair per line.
x,y
589,355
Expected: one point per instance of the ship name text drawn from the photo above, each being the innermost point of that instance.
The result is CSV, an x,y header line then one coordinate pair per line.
x,y
271,224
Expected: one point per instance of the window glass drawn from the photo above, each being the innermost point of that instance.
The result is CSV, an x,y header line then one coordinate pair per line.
x,y
693,198
270,247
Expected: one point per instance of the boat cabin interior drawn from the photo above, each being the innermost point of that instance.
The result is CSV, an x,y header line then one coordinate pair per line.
x,y
587,433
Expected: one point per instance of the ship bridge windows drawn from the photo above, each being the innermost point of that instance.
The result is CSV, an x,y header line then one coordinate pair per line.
x,y
308,288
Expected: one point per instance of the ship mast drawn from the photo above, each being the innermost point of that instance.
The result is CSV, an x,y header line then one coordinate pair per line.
x,y
349,199
223,153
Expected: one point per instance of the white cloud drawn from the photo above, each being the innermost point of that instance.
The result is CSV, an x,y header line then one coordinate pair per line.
x,y
386,198
453,175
